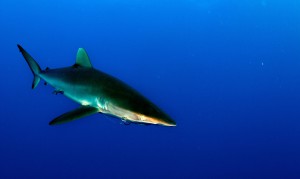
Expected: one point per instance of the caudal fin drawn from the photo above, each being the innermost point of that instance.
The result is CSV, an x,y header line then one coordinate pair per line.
x,y
34,66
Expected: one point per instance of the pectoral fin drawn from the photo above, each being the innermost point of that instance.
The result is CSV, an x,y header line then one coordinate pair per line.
x,y
83,111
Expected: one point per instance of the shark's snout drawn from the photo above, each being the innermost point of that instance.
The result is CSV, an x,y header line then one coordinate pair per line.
x,y
167,121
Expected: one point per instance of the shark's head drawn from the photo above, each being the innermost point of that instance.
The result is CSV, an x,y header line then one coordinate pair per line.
x,y
158,117
164,120
148,114
154,115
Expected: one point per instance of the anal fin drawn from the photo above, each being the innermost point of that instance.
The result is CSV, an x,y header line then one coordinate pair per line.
x,y
81,112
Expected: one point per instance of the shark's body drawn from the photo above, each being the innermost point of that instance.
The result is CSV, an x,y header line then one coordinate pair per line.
x,y
96,92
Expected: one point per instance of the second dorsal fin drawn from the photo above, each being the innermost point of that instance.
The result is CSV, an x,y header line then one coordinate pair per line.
x,y
82,58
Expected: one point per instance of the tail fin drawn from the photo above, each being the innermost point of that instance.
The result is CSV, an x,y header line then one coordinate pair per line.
x,y
34,66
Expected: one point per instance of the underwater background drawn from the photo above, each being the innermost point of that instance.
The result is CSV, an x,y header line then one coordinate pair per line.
x,y
226,71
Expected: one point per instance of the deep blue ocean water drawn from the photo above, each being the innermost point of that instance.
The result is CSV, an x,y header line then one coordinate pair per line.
x,y
228,72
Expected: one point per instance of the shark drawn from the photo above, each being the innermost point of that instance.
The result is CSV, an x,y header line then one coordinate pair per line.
x,y
96,92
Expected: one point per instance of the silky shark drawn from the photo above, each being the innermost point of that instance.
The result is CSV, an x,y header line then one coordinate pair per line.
x,y
96,92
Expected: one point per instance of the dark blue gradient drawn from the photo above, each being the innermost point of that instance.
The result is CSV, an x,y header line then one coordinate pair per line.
x,y
226,71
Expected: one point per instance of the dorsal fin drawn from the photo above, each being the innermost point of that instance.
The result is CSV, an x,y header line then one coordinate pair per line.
x,y
82,58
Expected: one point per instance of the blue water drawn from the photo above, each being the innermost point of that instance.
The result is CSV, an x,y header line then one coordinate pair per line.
x,y
226,71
